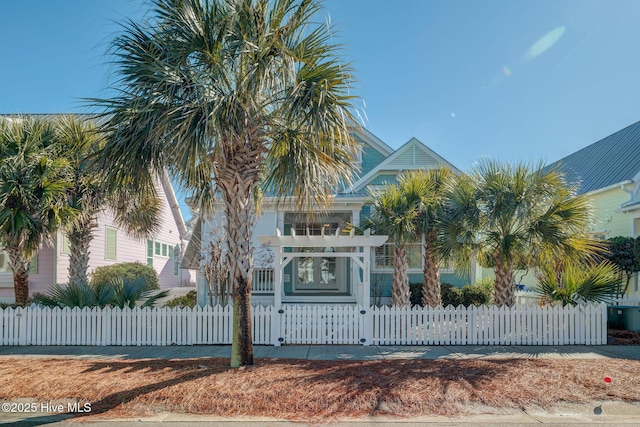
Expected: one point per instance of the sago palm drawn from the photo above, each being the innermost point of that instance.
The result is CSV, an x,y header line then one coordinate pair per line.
x,y
577,283
394,214
239,93
34,178
508,215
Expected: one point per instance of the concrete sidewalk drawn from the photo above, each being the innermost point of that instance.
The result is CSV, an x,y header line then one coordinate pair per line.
x,y
330,352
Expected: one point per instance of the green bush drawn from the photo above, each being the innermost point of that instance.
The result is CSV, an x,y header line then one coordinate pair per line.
x,y
468,295
125,270
188,300
117,293
416,293
475,295
451,295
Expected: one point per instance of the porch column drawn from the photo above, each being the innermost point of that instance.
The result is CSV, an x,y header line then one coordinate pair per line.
x,y
277,295
366,292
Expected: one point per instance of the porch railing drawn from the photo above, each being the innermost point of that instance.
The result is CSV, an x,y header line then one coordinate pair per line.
x,y
263,280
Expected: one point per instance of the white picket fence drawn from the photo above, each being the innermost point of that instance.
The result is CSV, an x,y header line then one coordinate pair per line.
x,y
518,325
308,324
630,300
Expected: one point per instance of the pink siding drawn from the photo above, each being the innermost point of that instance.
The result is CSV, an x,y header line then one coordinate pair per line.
x,y
128,250
37,282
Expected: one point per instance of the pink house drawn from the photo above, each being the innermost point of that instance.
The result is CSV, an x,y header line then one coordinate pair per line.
x,y
109,246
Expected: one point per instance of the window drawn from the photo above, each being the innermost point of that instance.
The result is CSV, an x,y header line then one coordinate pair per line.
x,y
158,246
385,256
111,244
5,263
165,250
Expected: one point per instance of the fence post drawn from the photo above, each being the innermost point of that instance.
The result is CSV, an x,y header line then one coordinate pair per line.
x,y
23,315
277,297
367,317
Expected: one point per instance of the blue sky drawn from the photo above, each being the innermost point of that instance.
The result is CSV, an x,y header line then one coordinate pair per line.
x,y
507,79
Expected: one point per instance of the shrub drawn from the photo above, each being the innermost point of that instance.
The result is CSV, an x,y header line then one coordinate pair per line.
x,y
125,270
479,294
475,295
451,295
118,292
416,293
188,300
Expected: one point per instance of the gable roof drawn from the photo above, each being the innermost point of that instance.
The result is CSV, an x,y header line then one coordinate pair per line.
x,y
412,155
612,160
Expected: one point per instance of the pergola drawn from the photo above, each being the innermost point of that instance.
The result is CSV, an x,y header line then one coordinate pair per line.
x,y
361,257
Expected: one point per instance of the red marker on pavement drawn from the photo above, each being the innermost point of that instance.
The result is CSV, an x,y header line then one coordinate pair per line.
x,y
607,380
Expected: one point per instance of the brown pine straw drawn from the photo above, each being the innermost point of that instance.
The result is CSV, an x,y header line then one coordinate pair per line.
x,y
317,391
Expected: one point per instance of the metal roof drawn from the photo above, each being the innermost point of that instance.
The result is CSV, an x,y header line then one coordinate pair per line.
x,y
610,161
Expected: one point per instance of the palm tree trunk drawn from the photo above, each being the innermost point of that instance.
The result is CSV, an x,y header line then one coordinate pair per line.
x,y
504,289
400,294
80,238
431,283
20,268
236,178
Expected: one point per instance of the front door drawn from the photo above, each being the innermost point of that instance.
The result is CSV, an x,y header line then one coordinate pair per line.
x,y
319,273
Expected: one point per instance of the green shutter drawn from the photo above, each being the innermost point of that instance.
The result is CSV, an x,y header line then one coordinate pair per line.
x,y
33,269
176,261
111,244
65,245
5,265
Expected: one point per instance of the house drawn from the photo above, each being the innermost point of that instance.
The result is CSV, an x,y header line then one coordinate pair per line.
x,y
609,172
111,245
332,269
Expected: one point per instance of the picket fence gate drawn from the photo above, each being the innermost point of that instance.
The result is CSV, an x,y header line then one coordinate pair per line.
x,y
308,324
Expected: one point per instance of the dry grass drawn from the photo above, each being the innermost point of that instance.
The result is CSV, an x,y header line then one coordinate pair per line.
x,y
317,391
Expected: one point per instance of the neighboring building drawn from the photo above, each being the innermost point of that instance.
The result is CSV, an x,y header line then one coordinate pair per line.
x,y
109,246
609,172
330,279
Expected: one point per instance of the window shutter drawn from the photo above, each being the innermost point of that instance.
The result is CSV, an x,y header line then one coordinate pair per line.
x,y
111,244
65,245
33,269
5,266
176,260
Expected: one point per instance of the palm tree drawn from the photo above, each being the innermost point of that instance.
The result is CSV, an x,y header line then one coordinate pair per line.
x,y
428,189
395,214
510,216
34,178
136,213
238,93
578,282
